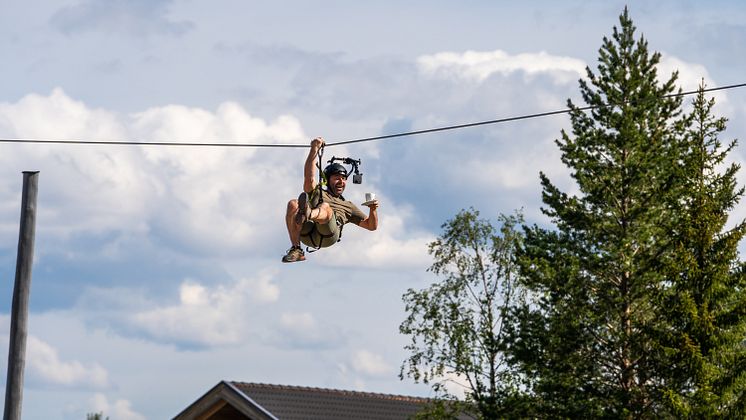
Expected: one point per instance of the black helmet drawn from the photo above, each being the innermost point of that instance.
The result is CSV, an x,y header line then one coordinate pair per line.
x,y
334,168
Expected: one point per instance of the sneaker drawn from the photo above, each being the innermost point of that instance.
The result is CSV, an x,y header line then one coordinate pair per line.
x,y
294,254
304,210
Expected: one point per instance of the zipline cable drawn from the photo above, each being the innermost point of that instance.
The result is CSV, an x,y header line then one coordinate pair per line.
x,y
522,117
343,142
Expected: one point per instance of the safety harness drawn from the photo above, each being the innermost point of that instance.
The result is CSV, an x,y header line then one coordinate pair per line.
x,y
315,200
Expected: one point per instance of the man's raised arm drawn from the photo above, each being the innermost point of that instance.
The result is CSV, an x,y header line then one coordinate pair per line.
x,y
309,170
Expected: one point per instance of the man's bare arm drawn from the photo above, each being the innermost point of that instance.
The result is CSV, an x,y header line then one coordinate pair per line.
x,y
309,170
371,222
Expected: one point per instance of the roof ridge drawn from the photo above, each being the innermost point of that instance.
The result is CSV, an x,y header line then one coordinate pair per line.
x,y
379,395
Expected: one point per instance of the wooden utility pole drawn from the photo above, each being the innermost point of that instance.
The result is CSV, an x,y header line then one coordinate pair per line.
x,y
19,311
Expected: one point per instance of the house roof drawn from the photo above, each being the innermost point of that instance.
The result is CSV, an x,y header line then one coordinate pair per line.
x,y
243,400
295,402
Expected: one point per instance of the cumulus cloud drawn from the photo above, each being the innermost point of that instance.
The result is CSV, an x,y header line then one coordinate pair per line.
x,y
205,316
46,367
219,194
199,200
58,116
479,65
120,409
86,184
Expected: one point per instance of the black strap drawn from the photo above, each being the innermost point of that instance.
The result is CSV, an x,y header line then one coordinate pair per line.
x,y
311,236
322,176
319,191
340,231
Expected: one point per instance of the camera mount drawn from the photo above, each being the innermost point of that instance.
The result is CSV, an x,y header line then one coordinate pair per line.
x,y
357,177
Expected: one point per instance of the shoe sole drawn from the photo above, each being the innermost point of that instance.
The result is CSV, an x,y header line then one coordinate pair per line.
x,y
302,258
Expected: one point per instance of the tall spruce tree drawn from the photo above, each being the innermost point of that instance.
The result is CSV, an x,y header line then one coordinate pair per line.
x,y
705,299
590,341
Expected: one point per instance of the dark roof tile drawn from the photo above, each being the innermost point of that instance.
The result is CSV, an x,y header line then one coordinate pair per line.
x,y
295,402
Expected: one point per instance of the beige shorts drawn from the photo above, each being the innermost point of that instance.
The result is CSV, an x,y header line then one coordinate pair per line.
x,y
317,235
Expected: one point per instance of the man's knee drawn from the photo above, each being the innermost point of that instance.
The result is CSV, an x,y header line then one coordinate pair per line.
x,y
325,213
292,206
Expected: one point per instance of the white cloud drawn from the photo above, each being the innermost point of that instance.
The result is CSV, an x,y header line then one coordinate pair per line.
x,y
264,290
45,366
216,193
206,316
93,181
371,364
690,74
206,200
118,410
58,116
479,65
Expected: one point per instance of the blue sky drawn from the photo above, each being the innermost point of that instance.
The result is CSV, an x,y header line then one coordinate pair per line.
x,y
157,269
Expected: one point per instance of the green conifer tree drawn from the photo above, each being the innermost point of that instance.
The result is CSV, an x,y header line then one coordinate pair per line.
x,y
589,340
704,302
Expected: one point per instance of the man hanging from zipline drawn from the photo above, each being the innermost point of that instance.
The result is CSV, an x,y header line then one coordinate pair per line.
x,y
316,218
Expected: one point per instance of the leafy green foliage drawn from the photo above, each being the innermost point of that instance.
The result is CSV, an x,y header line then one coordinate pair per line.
x,y
457,324
95,416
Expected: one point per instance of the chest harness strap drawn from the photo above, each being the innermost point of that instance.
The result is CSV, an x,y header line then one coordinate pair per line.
x,y
315,200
